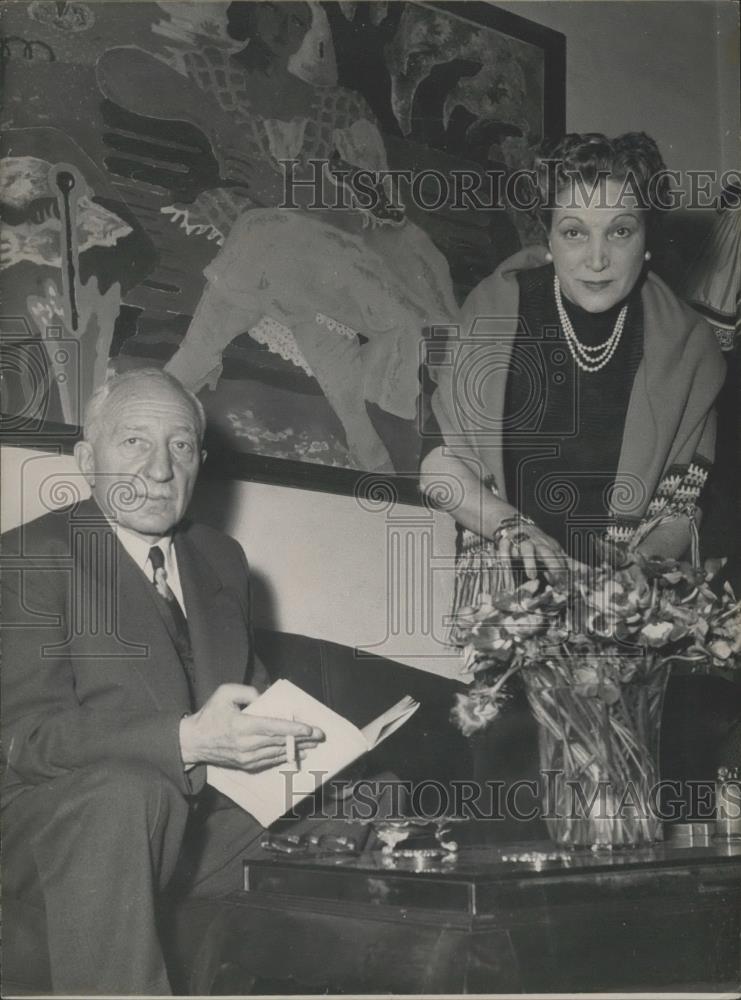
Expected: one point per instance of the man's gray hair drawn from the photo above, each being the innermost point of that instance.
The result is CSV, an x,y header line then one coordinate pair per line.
x,y
117,380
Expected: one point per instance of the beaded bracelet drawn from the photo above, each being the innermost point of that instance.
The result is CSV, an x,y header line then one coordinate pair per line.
x,y
513,521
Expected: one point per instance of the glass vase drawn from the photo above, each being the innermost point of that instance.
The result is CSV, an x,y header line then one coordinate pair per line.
x,y
599,761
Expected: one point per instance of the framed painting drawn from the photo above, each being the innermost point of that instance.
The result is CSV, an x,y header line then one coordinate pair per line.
x,y
274,201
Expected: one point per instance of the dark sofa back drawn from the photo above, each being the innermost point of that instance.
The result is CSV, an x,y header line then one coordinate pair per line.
x,y
360,687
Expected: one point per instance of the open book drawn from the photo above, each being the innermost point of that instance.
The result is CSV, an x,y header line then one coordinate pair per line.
x,y
269,794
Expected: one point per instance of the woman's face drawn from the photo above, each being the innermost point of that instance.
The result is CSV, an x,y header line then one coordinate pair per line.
x,y
597,244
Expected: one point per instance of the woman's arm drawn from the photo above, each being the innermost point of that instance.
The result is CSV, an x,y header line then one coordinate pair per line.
x,y
475,507
472,505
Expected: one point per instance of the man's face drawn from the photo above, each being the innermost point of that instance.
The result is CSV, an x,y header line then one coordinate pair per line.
x,y
143,461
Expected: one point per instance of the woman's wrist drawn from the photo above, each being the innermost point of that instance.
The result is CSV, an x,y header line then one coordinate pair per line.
x,y
509,525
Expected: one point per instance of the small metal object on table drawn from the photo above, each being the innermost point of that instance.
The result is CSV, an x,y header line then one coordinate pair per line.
x,y
517,918
728,803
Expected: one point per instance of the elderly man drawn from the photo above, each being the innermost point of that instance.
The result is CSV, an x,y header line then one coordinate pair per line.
x,y
126,648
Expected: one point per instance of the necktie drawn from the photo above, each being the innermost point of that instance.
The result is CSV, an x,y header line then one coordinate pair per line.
x,y
173,616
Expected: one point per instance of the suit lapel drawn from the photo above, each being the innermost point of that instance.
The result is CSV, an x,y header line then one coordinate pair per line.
x,y
218,631
139,640
138,636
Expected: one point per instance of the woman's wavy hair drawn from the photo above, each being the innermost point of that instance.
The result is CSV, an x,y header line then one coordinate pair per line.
x,y
584,158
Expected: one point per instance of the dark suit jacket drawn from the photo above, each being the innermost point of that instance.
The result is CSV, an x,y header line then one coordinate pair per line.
x,y
89,670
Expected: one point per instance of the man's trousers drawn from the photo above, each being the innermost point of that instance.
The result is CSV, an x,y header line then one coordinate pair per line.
x,y
96,848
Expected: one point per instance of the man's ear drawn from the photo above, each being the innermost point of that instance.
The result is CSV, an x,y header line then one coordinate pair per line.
x,y
86,461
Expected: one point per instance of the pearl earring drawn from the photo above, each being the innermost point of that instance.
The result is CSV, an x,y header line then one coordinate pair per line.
x,y
647,256
549,256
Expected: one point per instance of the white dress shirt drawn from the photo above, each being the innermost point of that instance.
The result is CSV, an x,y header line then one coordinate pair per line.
x,y
138,549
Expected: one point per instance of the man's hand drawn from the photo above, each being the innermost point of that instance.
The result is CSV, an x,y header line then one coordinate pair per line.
x,y
220,734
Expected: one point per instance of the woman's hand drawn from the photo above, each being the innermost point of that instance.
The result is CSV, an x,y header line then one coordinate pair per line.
x,y
483,512
537,550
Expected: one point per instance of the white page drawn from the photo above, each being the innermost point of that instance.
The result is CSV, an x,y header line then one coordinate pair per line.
x,y
270,793
391,720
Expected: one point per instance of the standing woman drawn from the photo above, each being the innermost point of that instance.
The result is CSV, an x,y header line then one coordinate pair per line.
x,y
578,398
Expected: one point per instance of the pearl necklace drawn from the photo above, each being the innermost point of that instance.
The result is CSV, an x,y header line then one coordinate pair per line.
x,y
589,359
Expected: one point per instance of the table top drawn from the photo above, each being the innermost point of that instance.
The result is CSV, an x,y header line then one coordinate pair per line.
x,y
514,861
477,880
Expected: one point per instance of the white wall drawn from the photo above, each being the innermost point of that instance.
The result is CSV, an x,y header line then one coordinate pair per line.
x,y
728,18
666,67
322,562
377,577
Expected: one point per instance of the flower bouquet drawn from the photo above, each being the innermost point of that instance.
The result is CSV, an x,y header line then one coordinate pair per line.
x,y
593,649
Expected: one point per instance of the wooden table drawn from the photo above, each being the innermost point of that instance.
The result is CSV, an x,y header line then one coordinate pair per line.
x,y
518,918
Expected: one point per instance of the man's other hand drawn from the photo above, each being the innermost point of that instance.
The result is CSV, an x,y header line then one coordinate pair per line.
x,y
219,733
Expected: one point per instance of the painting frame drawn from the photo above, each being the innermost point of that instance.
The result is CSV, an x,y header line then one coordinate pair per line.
x,y
225,462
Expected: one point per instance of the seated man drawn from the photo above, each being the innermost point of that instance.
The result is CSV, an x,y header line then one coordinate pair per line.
x,y
126,649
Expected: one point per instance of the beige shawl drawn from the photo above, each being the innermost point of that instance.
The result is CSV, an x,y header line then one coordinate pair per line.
x,y
670,423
